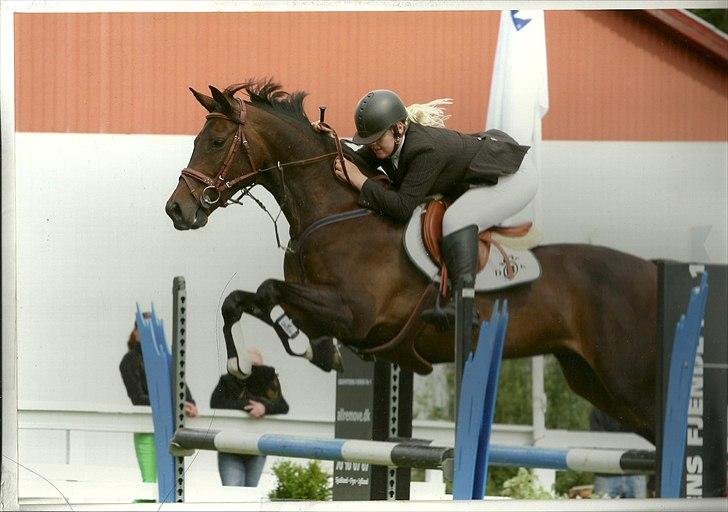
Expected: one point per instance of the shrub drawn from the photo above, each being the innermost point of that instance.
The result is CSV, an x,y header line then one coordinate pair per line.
x,y
297,482
524,486
497,476
565,480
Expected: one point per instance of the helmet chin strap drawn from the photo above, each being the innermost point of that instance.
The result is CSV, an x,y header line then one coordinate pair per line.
x,y
397,139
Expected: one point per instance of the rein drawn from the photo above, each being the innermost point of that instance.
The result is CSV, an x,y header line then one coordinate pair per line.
x,y
212,193
339,151
215,187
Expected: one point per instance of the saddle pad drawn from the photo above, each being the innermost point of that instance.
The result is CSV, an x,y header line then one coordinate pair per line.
x,y
492,277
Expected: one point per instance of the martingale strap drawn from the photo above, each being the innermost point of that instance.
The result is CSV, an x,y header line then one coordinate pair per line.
x,y
296,244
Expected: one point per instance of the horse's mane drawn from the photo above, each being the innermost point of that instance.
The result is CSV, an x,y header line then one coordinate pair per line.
x,y
269,95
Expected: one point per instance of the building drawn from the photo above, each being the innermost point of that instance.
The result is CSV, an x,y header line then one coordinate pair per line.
x,y
635,157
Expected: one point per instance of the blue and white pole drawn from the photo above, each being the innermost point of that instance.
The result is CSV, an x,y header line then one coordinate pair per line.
x,y
578,459
382,453
407,454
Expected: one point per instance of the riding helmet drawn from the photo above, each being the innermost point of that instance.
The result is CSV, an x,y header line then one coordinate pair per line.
x,y
376,112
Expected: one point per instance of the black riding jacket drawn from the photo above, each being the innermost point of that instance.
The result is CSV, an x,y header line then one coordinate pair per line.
x,y
262,386
135,378
438,161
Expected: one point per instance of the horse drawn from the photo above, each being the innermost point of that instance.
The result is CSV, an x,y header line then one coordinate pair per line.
x,y
347,275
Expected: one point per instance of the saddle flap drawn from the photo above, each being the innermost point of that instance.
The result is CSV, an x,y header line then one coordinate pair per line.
x,y
432,228
431,223
492,277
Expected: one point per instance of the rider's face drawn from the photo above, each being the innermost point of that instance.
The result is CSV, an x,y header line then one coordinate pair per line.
x,y
383,147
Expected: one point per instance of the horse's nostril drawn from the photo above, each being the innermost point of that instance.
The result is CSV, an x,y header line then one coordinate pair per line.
x,y
172,208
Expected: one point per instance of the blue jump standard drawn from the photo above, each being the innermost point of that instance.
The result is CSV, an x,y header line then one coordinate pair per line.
x,y
409,454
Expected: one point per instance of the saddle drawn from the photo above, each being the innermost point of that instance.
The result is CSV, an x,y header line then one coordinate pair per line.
x,y
431,223
422,244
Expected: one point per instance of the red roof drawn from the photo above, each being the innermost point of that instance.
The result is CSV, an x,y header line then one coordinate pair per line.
x,y
702,36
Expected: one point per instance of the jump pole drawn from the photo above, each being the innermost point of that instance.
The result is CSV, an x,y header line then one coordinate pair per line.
x,y
407,454
391,454
379,453
395,456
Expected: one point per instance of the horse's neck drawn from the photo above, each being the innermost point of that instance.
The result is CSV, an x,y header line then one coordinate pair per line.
x,y
310,193
305,193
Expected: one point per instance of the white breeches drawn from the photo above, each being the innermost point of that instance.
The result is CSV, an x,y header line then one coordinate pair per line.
x,y
491,206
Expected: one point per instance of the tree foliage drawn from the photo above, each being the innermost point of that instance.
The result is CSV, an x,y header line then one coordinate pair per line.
x,y
716,17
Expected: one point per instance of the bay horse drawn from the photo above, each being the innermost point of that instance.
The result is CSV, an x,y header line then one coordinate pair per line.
x,y
347,274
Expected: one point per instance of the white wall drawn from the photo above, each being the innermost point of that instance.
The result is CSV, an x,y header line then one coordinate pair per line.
x,y
651,199
93,239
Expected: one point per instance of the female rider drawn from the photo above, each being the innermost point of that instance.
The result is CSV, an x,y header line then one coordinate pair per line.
x,y
486,173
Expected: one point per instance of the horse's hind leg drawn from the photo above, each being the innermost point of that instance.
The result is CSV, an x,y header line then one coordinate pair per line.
x,y
583,380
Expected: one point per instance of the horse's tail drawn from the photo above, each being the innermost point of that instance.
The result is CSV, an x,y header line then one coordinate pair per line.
x,y
431,113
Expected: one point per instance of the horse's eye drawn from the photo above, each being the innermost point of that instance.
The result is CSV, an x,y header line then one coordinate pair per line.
x,y
218,143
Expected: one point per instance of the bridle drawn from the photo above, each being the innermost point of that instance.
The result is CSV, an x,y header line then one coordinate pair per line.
x,y
212,193
216,186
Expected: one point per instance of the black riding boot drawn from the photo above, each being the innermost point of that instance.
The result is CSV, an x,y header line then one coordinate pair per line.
x,y
460,252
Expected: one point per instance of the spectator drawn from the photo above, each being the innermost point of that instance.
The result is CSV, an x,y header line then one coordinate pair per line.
x,y
135,381
615,486
259,395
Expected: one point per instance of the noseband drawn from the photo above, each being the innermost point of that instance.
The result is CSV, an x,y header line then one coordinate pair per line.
x,y
212,193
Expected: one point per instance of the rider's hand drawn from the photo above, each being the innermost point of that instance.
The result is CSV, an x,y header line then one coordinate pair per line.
x,y
318,127
356,177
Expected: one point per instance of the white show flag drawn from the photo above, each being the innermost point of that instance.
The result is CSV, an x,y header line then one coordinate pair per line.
x,y
519,95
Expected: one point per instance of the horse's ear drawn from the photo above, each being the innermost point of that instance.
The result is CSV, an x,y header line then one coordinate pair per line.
x,y
206,101
223,101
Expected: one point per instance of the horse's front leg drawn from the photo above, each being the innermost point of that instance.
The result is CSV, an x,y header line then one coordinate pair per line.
x,y
235,304
320,311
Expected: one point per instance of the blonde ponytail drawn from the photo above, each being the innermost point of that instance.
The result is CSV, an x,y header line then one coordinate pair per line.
x,y
431,113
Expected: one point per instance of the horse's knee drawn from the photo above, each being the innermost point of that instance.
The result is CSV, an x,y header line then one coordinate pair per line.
x,y
268,291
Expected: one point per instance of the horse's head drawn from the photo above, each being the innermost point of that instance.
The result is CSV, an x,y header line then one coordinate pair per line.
x,y
284,155
220,163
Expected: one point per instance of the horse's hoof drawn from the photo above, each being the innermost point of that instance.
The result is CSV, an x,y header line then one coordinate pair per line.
x,y
326,354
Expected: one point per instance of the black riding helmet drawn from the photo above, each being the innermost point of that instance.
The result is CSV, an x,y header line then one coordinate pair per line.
x,y
376,112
